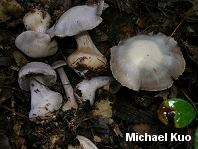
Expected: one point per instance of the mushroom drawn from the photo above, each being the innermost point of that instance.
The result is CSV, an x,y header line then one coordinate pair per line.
x,y
37,20
71,103
78,19
85,143
36,76
85,90
35,44
146,62
87,61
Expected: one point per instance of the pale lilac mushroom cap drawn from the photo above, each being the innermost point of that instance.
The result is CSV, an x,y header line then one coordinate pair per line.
x,y
37,20
78,19
35,44
145,62
36,68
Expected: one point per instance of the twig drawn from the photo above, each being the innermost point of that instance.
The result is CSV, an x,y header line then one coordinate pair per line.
x,y
180,22
23,116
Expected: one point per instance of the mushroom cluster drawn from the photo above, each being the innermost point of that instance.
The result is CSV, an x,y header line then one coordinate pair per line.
x,y
34,42
37,42
36,76
87,60
147,62
142,62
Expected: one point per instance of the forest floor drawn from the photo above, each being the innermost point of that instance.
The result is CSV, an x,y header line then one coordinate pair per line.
x,y
132,111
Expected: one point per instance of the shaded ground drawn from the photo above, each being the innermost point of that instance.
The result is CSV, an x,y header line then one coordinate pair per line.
x,y
132,111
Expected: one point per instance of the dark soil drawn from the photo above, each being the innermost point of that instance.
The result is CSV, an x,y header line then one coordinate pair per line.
x,y
132,111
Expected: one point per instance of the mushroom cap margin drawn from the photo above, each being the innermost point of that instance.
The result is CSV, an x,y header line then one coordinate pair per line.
x,y
76,20
155,77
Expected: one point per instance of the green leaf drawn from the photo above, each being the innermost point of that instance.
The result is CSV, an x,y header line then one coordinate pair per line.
x,y
183,110
196,139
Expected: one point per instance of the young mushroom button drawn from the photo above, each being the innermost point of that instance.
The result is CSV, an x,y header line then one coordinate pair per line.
x,y
36,76
146,62
71,103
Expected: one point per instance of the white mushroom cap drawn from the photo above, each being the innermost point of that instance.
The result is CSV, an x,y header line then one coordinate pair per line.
x,y
146,62
37,68
35,44
86,143
78,19
37,20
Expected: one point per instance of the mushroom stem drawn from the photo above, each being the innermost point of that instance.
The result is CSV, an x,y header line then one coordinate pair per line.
x,y
85,43
71,103
85,90
37,20
101,7
87,61
43,100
